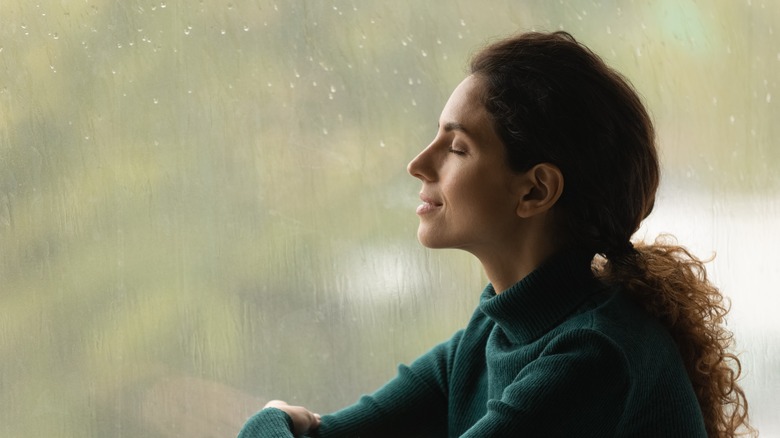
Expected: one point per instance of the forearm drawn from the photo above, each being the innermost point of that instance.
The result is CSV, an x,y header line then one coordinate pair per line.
x,y
268,423
403,407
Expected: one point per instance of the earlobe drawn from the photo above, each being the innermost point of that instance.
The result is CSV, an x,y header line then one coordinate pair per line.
x,y
540,188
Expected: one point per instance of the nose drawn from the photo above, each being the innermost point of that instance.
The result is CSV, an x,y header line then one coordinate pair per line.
x,y
420,166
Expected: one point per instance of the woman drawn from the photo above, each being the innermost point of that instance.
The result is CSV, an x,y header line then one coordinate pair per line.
x,y
543,167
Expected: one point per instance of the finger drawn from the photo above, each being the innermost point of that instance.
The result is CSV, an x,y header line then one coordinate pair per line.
x,y
275,404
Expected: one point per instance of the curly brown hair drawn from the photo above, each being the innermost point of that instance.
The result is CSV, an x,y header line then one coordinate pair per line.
x,y
553,100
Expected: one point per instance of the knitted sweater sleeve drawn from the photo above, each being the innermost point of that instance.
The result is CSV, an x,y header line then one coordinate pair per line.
x,y
412,403
576,387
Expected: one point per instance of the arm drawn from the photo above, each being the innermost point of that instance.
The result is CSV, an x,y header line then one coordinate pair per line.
x,y
413,402
416,399
280,420
577,387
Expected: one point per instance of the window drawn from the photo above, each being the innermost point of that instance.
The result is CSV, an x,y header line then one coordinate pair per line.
x,y
204,205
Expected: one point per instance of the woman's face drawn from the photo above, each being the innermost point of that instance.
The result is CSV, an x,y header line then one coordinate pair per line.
x,y
468,190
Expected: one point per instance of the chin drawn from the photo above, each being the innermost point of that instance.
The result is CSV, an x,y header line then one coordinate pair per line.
x,y
432,242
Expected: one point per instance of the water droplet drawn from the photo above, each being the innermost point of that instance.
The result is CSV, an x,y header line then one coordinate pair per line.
x,y
246,28
332,89
424,53
222,31
313,83
732,119
462,22
768,97
155,100
292,85
381,144
55,36
414,102
609,30
325,131
270,85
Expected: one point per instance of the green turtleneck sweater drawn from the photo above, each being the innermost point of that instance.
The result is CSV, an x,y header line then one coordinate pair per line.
x,y
557,354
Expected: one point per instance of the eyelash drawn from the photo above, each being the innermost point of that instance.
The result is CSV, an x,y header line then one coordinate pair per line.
x,y
457,151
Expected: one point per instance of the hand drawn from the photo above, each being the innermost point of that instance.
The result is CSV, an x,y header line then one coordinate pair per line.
x,y
303,420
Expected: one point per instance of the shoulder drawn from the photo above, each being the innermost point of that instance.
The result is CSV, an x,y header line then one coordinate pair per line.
x,y
632,330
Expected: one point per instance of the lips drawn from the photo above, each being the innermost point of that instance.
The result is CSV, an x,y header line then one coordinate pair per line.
x,y
428,205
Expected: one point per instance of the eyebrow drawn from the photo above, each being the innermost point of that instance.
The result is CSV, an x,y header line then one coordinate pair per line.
x,y
453,126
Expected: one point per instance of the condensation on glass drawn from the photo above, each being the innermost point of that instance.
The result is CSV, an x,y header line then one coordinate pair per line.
x,y
204,205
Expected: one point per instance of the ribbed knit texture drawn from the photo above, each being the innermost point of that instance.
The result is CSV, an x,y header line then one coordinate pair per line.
x,y
558,354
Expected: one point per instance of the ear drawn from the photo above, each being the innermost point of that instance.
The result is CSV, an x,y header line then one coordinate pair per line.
x,y
540,188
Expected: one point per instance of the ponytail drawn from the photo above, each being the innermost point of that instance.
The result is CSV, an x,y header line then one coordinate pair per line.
x,y
671,284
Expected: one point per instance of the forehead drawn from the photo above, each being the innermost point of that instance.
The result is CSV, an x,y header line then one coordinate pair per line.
x,y
465,109
465,102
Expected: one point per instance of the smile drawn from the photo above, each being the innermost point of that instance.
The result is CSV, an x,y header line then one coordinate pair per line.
x,y
428,205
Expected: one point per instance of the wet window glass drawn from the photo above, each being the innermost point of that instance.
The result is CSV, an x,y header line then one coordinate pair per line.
x,y
204,205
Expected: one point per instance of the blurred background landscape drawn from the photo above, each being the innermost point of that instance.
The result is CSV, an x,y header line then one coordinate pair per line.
x,y
204,205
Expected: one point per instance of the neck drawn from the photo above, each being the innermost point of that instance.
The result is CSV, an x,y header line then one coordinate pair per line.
x,y
504,269
510,260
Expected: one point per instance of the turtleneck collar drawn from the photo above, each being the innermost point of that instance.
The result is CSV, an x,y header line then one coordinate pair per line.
x,y
543,299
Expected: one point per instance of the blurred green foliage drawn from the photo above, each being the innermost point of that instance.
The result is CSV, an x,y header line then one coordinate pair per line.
x,y
205,202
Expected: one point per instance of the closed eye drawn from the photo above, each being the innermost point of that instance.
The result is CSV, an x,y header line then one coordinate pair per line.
x,y
457,151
